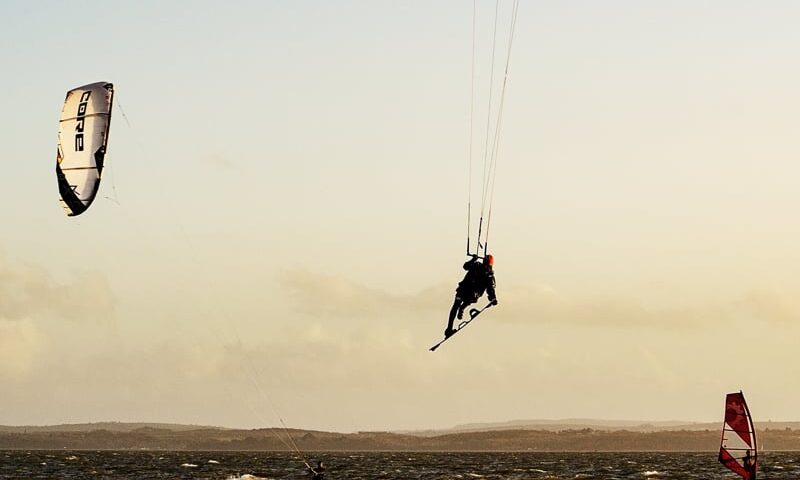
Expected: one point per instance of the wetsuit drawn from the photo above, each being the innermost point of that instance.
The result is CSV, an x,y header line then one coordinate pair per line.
x,y
318,473
749,465
478,279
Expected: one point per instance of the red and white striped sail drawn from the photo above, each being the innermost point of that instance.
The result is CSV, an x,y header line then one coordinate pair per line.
x,y
738,450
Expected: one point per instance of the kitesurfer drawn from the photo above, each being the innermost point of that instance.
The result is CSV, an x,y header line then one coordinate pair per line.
x,y
478,279
318,472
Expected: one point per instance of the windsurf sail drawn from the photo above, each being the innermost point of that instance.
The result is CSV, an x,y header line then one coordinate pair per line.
x,y
82,144
738,450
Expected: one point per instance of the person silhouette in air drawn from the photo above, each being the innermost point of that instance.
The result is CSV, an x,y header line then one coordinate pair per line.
x,y
478,279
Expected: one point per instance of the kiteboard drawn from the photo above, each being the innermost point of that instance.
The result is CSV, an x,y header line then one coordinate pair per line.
x,y
473,313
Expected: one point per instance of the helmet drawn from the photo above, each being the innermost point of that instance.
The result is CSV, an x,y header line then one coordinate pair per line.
x,y
490,260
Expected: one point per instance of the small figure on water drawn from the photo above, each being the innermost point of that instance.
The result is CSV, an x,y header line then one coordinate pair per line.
x,y
478,279
318,472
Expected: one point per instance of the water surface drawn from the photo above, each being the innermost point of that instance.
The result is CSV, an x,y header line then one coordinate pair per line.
x,y
387,465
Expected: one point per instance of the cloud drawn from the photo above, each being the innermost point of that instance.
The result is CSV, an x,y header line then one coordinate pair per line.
x,y
331,295
542,304
320,294
218,162
770,306
321,374
27,291
218,380
20,343
328,295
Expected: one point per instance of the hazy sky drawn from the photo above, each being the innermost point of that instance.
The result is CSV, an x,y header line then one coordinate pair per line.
x,y
286,211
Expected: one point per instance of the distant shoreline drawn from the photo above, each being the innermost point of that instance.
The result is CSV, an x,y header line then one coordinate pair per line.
x,y
135,437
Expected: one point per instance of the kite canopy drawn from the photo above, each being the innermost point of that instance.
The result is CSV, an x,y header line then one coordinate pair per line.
x,y
738,450
82,141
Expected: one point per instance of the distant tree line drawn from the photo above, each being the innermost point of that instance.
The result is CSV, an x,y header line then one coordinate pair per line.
x,y
275,440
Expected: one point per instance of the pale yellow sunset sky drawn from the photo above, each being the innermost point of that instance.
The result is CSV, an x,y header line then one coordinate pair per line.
x,y
281,226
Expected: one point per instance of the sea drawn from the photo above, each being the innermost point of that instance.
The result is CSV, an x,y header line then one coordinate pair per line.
x,y
20,464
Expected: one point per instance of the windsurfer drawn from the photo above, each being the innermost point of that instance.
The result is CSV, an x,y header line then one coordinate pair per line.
x,y
749,462
738,429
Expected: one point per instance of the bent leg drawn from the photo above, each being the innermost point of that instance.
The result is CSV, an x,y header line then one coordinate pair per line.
x,y
466,302
453,311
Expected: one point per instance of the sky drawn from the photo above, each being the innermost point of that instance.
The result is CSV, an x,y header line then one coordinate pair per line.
x,y
281,221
